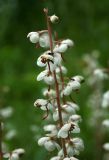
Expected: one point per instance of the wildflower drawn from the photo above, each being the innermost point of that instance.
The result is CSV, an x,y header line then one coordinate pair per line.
x,y
44,59
106,146
42,103
64,131
106,123
54,19
44,40
33,36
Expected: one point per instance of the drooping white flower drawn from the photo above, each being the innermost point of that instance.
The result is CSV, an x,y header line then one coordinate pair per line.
x,y
78,144
99,73
44,59
19,151
48,143
106,123
72,105
71,86
46,76
61,48
75,118
42,103
44,40
54,18
64,131
52,129
6,112
78,78
49,93
105,100
106,146
42,140
42,75
69,42
14,156
49,79
34,37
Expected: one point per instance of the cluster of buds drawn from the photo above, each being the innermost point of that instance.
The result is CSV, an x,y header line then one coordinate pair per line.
x,y
98,100
57,104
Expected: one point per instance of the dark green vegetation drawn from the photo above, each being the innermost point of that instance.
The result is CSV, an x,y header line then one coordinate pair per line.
x,y
84,21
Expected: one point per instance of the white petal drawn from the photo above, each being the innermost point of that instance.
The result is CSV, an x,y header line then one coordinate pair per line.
x,y
63,132
42,140
34,37
56,158
42,75
106,146
69,42
49,145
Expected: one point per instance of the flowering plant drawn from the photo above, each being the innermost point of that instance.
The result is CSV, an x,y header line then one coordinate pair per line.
x,y
56,104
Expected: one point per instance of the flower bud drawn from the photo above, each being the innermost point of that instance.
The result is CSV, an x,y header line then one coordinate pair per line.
x,y
34,37
54,19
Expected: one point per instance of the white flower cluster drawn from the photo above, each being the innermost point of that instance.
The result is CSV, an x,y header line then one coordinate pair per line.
x,y
15,154
98,100
56,103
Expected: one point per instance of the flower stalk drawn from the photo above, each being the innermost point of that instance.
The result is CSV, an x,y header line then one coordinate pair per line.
x,y
56,103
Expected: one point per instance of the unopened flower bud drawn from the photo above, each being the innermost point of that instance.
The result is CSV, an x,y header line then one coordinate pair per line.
x,y
54,19
34,37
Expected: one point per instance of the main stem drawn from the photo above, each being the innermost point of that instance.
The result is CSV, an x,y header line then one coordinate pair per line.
x,y
56,83
1,154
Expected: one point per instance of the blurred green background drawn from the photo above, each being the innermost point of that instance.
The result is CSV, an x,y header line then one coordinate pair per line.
x,y
84,21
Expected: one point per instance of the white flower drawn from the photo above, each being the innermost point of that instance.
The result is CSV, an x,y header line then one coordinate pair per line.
x,y
14,156
54,19
44,40
106,146
42,103
106,123
78,78
6,112
49,79
75,118
49,144
56,158
46,76
72,105
99,73
69,42
78,144
63,132
42,140
42,75
49,93
60,48
19,151
105,100
44,59
34,37
52,129
71,86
